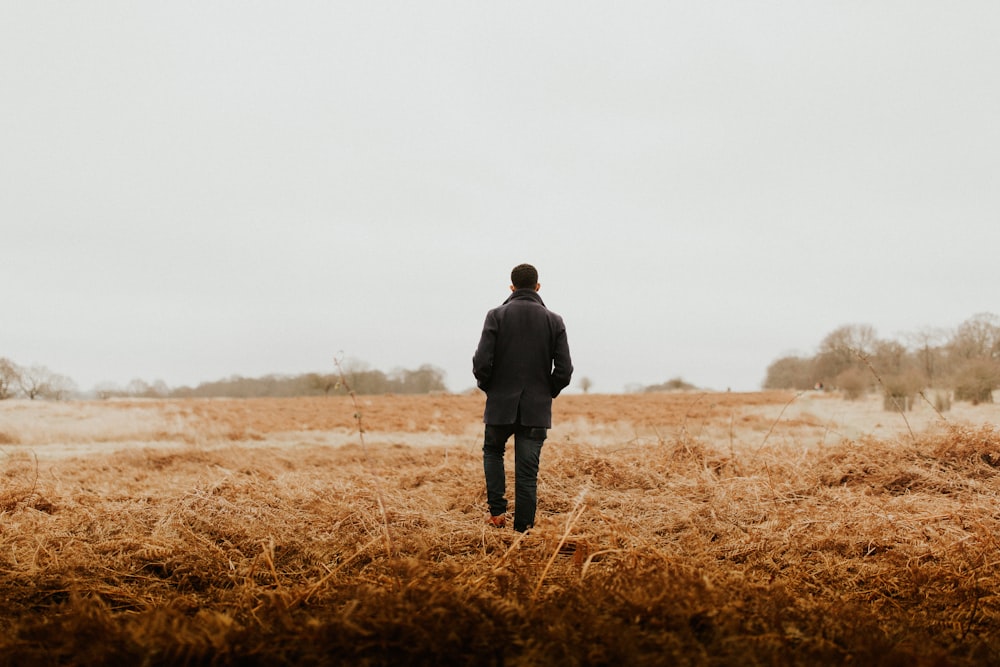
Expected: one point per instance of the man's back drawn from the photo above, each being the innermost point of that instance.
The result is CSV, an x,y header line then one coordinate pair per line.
x,y
522,361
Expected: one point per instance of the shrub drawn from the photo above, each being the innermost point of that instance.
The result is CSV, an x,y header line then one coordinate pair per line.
x,y
900,390
790,373
854,382
976,380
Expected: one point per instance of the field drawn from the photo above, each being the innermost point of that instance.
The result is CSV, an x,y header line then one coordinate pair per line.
x,y
687,528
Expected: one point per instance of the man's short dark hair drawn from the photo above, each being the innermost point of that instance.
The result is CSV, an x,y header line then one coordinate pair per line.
x,y
524,276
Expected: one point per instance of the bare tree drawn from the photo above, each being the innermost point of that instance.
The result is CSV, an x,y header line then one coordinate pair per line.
x,y
10,378
40,382
106,390
977,338
137,387
60,387
839,351
890,357
974,358
585,384
33,381
927,345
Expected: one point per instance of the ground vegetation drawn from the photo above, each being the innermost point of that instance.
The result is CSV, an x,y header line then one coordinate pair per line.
x,y
696,529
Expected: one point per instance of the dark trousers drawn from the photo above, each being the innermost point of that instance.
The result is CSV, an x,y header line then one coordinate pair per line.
x,y
528,441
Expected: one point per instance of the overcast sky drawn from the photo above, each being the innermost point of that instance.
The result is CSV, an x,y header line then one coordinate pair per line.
x,y
193,190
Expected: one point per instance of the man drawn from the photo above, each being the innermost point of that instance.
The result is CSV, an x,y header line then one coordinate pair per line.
x,y
522,363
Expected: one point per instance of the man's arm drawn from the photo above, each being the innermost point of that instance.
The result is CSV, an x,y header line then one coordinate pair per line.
x,y
562,365
482,360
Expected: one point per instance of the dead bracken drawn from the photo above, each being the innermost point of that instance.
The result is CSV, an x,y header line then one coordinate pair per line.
x,y
673,528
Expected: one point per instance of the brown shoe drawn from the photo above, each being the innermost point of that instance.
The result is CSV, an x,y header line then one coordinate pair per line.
x,y
498,521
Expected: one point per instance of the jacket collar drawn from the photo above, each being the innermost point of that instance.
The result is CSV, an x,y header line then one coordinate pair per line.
x,y
525,293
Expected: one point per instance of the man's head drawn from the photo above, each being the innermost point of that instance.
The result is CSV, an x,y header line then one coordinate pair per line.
x,y
524,276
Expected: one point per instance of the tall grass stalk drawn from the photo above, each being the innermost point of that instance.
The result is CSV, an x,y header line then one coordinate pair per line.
x,y
575,514
380,497
777,421
867,362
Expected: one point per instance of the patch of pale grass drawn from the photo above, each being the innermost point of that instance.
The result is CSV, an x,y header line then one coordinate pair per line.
x,y
837,418
38,423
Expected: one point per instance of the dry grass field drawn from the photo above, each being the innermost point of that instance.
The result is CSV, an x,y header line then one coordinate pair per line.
x,y
690,528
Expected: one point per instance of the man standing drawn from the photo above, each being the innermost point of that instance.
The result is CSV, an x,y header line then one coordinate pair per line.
x,y
522,363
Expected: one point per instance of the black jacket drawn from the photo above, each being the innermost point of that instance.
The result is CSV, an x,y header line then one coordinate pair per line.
x,y
522,361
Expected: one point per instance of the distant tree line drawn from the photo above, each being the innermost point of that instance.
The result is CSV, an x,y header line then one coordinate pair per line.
x,y
34,382
38,382
356,375
673,384
964,363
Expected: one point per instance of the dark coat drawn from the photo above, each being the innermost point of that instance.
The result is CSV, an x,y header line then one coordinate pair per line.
x,y
522,361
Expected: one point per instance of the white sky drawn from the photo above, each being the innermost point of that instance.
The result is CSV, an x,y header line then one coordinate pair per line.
x,y
191,190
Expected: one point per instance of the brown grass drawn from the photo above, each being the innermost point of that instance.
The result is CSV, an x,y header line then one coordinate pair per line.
x,y
689,529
